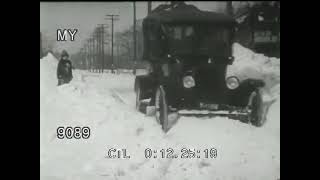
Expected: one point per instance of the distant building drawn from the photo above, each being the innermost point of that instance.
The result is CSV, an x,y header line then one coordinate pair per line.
x,y
259,27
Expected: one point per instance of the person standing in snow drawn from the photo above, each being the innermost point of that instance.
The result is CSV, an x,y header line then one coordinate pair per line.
x,y
64,70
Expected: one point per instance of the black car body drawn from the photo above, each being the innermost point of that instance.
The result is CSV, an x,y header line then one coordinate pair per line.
x,y
187,52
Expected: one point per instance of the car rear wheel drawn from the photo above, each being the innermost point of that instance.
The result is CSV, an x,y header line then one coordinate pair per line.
x,y
138,98
257,115
140,105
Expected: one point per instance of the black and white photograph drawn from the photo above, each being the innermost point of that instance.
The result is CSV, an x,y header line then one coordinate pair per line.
x,y
160,90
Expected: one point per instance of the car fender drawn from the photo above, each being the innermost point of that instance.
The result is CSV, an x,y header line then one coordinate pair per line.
x,y
146,84
240,96
252,84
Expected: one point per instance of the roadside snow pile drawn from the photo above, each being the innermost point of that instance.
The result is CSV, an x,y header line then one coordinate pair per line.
x,y
111,124
106,104
55,99
48,67
248,64
49,81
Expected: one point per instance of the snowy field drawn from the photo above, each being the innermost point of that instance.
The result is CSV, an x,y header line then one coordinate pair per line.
x,y
105,103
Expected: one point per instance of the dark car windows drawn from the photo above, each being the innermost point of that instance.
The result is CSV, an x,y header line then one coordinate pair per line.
x,y
179,32
197,38
156,42
189,31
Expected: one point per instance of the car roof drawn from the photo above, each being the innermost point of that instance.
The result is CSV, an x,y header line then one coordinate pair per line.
x,y
184,13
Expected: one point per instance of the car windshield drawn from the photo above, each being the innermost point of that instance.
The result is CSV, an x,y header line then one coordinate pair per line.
x,y
199,39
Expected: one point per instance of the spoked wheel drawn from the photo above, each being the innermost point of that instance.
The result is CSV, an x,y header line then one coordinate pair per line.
x,y
165,115
258,115
140,104
138,98
161,109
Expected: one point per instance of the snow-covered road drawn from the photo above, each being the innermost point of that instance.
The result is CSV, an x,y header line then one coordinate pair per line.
x,y
244,152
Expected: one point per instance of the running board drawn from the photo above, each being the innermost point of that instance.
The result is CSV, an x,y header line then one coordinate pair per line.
x,y
207,112
151,110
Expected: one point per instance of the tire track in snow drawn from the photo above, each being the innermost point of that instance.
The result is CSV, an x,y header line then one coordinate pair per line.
x,y
118,97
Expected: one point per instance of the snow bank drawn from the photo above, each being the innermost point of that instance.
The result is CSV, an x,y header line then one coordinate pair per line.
x,y
49,81
54,100
48,68
248,64
89,102
244,151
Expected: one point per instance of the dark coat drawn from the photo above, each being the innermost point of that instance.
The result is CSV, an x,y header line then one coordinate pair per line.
x,y
64,70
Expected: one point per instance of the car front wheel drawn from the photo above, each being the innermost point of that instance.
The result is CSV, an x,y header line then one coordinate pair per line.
x,y
258,114
161,108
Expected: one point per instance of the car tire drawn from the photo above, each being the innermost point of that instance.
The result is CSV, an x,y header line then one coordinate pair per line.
x,y
257,116
161,108
138,98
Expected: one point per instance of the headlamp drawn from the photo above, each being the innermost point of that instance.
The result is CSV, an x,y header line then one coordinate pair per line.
x,y
232,82
188,82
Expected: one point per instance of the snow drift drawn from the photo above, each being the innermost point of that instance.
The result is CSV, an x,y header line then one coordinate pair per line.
x,y
105,103
248,64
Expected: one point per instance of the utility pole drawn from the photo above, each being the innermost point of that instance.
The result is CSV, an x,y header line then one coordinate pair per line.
x,y
102,42
134,38
149,7
91,53
100,48
118,53
83,58
97,51
86,56
80,58
112,17
96,48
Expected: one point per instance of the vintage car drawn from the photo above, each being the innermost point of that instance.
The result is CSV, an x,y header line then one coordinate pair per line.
x,y
186,52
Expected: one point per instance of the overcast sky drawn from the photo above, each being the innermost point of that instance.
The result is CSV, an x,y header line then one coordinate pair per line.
x,y
84,16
